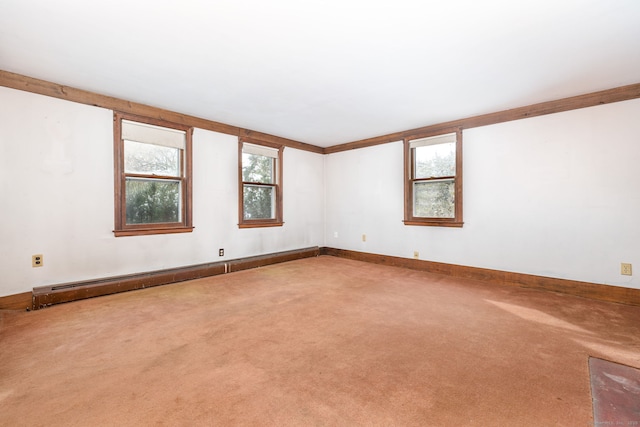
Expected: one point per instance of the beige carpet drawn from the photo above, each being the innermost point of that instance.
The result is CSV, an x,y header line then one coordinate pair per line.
x,y
319,341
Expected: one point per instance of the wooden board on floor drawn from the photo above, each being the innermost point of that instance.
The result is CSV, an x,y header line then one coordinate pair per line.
x,y
615,390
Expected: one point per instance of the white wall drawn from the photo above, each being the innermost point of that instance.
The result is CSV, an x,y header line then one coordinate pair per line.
x,y
555,195
56,190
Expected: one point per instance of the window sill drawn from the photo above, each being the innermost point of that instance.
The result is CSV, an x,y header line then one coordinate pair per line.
x,y
260,224
149,231
432,223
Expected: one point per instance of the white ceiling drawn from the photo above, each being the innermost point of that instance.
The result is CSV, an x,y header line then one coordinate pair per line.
x,y
326,72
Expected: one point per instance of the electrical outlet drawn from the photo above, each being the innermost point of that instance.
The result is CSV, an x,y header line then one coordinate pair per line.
x,y
335,234
364,237
416,254
220,252
37,260
625,269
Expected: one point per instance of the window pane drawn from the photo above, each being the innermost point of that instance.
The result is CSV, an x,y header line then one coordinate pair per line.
x,y
435,160
434,199
150,159
259,202
152,201
257,168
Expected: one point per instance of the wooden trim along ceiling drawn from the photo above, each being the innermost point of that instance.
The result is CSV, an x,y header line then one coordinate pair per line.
x,y
43,87
623,93
608,293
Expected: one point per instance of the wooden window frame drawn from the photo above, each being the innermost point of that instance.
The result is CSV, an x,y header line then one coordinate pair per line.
x,y
271,222
409,218
121,227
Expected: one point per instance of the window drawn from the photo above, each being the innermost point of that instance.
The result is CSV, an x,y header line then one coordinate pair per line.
x,y
433,183
260,176
152,176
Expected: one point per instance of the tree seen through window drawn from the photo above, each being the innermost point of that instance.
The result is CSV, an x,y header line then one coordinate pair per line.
x,y
150,200
435,197
258,199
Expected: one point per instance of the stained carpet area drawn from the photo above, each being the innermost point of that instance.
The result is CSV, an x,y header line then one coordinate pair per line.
x,y
318,341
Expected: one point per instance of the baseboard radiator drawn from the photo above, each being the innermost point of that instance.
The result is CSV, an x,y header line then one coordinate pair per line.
x,y
45,296
48,295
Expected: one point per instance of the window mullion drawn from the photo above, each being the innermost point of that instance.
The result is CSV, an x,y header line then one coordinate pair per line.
x,y
144,176
434,178
263,184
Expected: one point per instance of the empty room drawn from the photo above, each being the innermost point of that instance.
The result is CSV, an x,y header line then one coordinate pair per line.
x,y
409,213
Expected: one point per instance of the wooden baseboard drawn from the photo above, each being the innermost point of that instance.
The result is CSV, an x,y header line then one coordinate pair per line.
x,y
595,291
16,302
55,294
44,296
